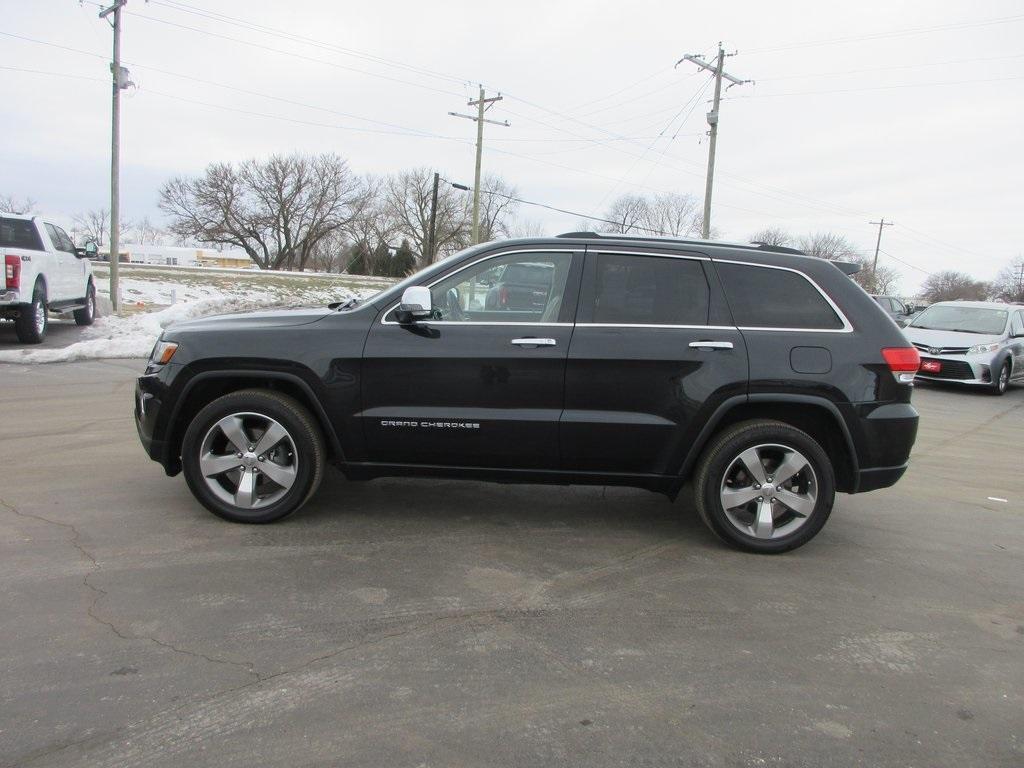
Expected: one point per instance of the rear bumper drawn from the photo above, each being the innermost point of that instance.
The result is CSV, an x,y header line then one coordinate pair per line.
x,y
879,477
887,435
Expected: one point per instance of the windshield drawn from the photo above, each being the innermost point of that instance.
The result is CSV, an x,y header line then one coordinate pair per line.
x,y
950,317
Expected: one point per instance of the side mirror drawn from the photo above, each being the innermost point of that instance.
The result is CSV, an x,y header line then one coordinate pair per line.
x,y
415,305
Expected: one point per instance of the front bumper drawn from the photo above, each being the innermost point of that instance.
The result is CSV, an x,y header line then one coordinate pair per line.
x,y
149,394
960,369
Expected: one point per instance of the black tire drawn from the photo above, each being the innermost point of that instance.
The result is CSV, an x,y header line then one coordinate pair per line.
x,y
725,449
1001,383
309,453
27,325
87,314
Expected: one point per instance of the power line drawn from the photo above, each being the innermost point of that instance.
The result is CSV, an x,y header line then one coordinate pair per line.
x,y
907,263
888,34
293,54
833,91
560,210
262,28
889,68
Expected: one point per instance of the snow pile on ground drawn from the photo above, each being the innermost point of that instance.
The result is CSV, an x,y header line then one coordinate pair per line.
x,y
131,335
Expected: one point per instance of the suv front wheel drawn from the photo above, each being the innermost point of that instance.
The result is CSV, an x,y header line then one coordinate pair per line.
x,y
253,456
764,486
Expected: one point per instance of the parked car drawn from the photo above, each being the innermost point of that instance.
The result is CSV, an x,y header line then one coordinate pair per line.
x,y
895,308
521,287
970,342
766,377
43,272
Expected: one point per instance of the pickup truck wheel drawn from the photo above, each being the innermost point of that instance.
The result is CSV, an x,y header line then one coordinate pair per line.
x,y
253,456
764,486
32,321
87,314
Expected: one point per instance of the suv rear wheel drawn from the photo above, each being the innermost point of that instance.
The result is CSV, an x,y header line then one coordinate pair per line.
x,y
32,320
764,486
253,456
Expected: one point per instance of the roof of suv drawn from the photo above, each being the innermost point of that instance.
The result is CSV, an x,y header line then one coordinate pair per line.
x,y
847,268
976,304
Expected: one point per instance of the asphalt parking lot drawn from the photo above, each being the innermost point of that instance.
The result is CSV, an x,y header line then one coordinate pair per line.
x,y
60,333
426,623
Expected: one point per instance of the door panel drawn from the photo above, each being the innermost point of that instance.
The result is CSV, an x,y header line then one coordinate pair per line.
x,y
639,383
635,397
463,395
467,388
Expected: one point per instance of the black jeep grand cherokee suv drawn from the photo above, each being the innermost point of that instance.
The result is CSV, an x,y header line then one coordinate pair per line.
x,y
766,376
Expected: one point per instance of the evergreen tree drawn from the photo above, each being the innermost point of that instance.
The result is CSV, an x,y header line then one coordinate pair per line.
x,y
404,260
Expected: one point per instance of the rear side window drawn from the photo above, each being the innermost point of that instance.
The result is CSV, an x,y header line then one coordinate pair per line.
x,y
649,290
19,233
763,297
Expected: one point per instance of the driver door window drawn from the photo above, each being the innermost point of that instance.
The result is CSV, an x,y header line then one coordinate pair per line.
x,y
513,288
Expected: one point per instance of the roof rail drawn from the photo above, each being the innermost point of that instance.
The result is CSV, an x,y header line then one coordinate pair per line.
x,y
756,246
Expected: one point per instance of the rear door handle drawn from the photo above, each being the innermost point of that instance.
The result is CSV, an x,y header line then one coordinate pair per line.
x,y
532,342
711,345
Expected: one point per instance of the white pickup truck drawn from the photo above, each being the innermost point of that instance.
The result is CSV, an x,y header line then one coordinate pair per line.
x,y
43,272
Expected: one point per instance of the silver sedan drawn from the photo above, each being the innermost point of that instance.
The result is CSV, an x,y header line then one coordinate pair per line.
x,y
970,342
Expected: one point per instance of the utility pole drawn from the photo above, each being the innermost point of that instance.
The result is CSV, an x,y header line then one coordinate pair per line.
x,y
482,105
120,81
878,243
718,70
431,235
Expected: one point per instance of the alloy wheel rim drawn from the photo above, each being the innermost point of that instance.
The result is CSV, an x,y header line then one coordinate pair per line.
x,y
1004,378
248,460
769,491
40,316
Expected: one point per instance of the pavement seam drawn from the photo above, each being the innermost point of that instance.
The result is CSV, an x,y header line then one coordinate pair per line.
x,y
99,593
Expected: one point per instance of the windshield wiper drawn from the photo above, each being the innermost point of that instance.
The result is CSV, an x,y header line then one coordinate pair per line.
x,y
343,305
968,330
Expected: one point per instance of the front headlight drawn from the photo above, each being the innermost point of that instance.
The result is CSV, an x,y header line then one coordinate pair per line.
x,y
163,352
979,349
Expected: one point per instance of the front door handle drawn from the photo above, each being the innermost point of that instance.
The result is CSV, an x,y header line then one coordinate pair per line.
x,y
711,345
532,342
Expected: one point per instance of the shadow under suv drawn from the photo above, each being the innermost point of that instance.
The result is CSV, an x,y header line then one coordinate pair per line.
x,y
766,377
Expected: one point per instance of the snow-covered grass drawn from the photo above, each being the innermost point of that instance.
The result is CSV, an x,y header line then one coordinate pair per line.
x,y
156,298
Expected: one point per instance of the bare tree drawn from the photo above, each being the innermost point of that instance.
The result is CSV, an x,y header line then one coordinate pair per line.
x,y
627,214
276,210
91,226
1009,284
828,246
520,227
407,200
497,208
674,214
21,206
142,231
773,236
950,285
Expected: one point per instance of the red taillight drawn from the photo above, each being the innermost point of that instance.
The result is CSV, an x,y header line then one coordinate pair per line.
x,y
12,271
503,296
902,359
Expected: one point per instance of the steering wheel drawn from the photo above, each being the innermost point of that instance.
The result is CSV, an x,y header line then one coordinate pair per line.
x,y
453,309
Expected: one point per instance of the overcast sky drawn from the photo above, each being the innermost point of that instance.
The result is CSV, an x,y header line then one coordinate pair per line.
x,y
912,111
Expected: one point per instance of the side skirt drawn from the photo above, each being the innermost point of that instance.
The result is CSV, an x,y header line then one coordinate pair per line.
x,y
369,470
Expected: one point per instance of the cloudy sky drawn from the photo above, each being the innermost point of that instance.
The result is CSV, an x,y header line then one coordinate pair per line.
x,y
908,110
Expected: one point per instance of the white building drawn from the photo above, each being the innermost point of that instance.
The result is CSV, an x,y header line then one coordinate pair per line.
x,y
179,256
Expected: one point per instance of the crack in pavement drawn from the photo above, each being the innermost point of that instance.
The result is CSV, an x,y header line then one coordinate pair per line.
x,y
99,594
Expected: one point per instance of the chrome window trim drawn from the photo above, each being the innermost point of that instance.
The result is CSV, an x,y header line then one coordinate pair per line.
x,y
383,321
657,255
847,326
656,325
